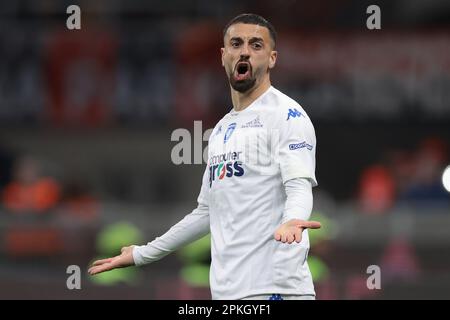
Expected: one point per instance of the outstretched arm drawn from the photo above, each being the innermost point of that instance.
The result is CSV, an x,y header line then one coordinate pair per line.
x,y
297,211
192,227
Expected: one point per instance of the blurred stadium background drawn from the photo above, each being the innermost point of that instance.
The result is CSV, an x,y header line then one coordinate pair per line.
x,y
85,152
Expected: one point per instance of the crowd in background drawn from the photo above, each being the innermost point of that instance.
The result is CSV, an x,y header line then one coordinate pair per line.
x,y
379,103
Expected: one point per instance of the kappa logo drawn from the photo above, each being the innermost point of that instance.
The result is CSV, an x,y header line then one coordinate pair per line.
x,y
294,113
255,123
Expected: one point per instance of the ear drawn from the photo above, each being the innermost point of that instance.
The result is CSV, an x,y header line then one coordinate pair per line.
x,y
222,51
273,59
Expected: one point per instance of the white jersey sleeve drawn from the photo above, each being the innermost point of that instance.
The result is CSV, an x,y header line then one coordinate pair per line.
x,y
297,146
299,199
192,227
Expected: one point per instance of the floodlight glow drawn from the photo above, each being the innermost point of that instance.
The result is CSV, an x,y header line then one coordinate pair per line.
x,y
446,178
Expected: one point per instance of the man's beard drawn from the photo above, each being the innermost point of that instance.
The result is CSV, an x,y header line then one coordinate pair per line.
x,y
242,85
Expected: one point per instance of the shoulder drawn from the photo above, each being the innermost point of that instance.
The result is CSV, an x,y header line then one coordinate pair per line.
x,y
226,118
288,112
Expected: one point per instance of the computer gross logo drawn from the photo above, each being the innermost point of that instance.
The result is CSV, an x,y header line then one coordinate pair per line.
x,y
225,165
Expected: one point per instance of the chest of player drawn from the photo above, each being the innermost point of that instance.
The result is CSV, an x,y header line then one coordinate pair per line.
x,y
242,144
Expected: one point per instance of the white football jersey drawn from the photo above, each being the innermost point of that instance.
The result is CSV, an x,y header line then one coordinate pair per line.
x,y
251,153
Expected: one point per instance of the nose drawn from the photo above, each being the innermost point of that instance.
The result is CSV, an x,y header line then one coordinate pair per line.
x,y
245,52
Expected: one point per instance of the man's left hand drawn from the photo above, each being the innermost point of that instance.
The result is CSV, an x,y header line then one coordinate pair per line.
x,y
291,230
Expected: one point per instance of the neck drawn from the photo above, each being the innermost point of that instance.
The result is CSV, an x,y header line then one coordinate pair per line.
x,y
242,100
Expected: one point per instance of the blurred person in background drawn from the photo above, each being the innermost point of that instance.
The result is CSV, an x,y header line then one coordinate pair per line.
x,y
31,195
29,190
412,177
79,72
399,261
257,218
376,190
198,92
425,185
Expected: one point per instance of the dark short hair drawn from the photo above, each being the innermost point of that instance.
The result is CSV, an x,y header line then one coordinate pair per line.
x,y
251,18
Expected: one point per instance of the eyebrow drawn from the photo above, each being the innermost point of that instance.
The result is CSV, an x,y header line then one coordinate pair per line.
x,y
252,40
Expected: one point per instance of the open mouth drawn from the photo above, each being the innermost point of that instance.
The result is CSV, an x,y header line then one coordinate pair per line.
x,y
242,70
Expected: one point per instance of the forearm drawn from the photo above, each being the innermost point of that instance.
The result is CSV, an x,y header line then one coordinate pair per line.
x,y
192,227
299,201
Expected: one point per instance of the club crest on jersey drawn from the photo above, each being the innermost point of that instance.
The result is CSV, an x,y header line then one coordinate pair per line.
x,y
294,113
229,131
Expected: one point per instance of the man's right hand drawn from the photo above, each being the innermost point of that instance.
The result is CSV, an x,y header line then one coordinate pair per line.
x,y
125,259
